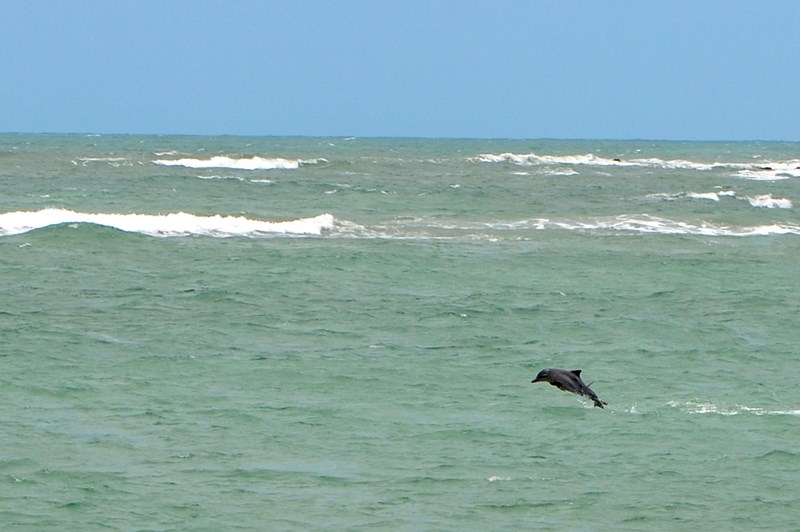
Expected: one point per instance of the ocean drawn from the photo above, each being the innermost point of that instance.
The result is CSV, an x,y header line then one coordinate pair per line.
x,y
272,333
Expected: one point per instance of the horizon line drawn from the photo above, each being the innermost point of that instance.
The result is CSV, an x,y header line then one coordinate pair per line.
x,y
396,137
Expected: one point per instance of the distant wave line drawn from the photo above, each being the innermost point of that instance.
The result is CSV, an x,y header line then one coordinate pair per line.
x,y
760,200
694,407
762,170
251,163
423,229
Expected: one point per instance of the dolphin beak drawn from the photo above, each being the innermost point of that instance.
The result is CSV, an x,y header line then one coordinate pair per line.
x,y
535,380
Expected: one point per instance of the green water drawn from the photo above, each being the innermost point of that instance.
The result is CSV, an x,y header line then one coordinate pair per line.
x,y
376,375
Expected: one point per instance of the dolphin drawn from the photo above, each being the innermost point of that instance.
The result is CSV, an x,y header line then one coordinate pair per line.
x,y
569,381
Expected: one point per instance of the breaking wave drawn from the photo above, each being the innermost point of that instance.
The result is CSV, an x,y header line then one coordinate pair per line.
x,y
251,163
761,201
185,224
766,200
428,229
654,224
761,171
589,159
164,225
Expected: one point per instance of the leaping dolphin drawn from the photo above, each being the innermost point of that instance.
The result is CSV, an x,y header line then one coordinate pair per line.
x,y
568,381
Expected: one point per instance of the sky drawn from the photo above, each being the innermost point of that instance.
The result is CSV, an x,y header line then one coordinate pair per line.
x,y
635,69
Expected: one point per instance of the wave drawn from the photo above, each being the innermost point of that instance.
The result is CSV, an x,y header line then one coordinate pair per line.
x,y
184,224
164,225
653,224
762,200
111,161
764,170
252,163
766,200
426,229
713,196
589,159
771,171
235,178
694,407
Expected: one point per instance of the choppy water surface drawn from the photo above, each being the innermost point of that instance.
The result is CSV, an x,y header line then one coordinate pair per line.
x,y
295,333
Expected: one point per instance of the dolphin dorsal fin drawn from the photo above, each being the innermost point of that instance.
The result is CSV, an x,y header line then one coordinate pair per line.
x,y
577,372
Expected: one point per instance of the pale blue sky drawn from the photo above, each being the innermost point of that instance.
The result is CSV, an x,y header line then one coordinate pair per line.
x,y
673,69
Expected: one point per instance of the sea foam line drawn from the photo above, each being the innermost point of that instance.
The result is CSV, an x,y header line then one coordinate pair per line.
x,y
763,170
653,224
251,163
426,229
589,159
693,407
164,225
761,200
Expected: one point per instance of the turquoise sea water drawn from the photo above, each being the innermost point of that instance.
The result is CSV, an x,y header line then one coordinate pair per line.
x,y
225,333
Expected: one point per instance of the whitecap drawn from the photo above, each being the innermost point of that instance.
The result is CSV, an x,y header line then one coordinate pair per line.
x,y
767,201
425,229
252,163
590,159
713,196
211,177
764,170
559,172
651,224
111,161
696,407
164,225
771,171
530,159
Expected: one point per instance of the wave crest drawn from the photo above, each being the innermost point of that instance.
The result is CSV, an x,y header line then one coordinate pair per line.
x,y
251,163
761,171
590,159
164,225
766,200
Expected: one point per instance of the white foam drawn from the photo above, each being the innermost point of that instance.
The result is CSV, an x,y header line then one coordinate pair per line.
x,y
559,172
427,229
763,170
233,177
771,171
762,200
766,200
498,478
252,163
111,161
589,159
530,159
693,407
652,224
164,225
713,196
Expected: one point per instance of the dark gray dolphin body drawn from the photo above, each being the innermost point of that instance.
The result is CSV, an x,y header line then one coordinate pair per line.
x,y
569,381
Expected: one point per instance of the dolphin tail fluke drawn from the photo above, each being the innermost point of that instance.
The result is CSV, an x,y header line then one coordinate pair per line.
x,y
599,403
